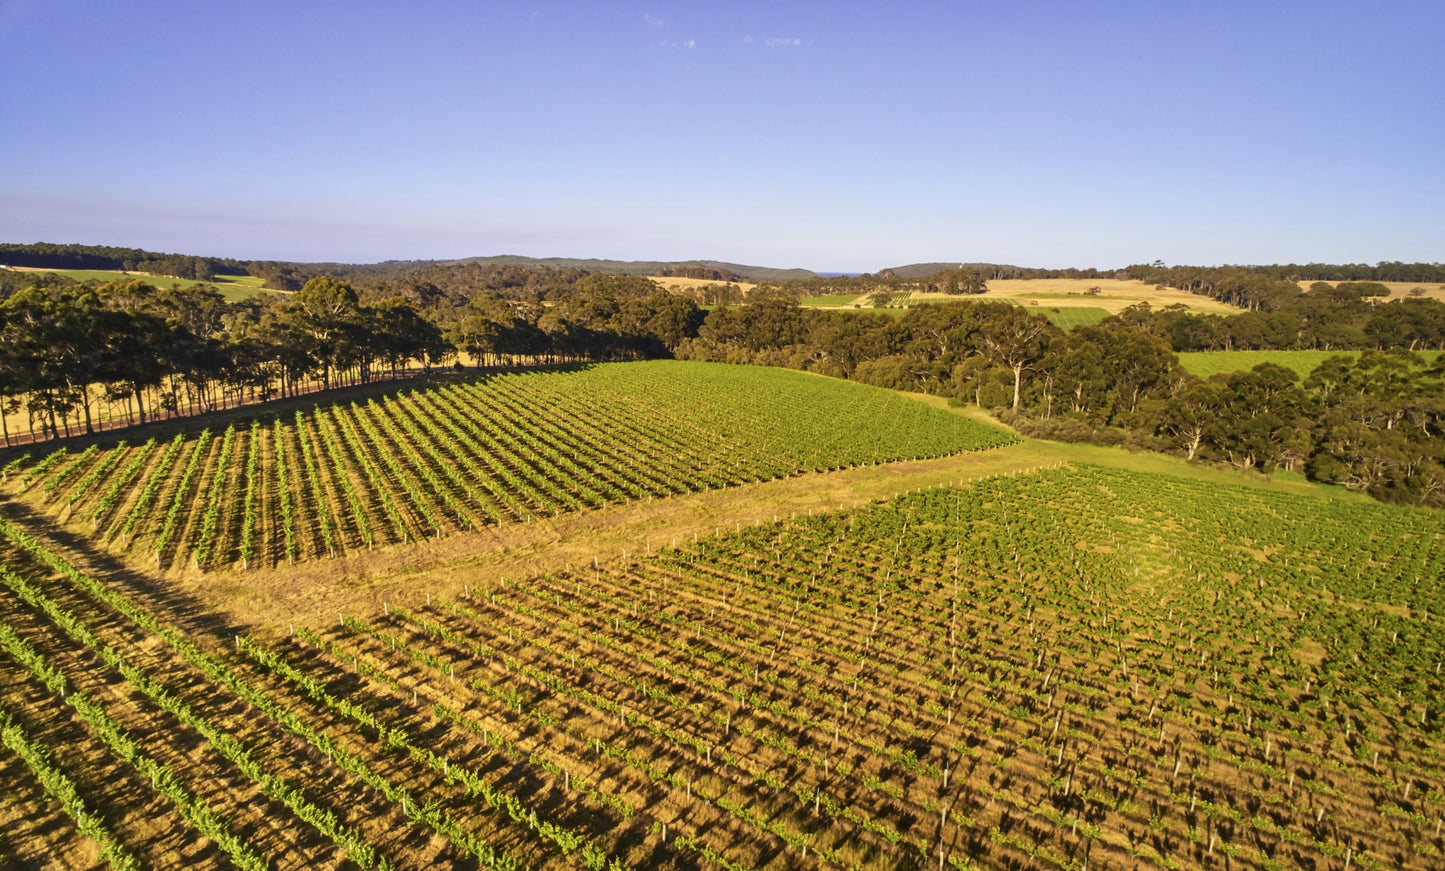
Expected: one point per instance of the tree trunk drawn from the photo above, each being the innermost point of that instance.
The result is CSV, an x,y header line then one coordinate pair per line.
x,y
85,407
1018,380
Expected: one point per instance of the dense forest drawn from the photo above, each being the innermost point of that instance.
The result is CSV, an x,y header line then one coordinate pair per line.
x,y
1374,421
1371,421
291,276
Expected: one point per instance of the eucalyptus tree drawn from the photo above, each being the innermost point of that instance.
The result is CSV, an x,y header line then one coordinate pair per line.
x,y
323,315
1013,338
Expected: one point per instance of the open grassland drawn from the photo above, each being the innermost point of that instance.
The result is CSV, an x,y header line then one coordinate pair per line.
x,y
832,301
1114,295
501,450
675,284
1080,665
1043,294
1400,289
234,288
1068,317
1302,363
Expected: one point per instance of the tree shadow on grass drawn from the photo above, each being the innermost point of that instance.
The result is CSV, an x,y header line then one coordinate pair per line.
x,y
154,595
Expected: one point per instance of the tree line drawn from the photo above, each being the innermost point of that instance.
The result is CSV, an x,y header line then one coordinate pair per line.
x,y
1347,316
1374,422
1222,282
144,352
1205,278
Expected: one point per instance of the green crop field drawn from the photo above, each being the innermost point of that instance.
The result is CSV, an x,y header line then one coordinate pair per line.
x,y
1302,363
1076,666
1066,318
1094,660
504,449
832,301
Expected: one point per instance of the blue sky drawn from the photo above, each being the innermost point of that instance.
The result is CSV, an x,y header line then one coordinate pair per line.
x,y
831,136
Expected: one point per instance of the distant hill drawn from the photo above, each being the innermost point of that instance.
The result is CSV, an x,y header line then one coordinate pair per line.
x,y
918,270
75,256
643,267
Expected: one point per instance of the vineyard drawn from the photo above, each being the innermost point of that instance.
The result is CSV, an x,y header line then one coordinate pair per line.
x,y
1077,668
508,448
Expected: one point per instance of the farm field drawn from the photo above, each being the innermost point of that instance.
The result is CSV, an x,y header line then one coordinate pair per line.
x,y
835,300
1114,295
1302,363
1079,664
677,284
1068,317
1400,289
233,287
1065,318
695,615
265,598
505,449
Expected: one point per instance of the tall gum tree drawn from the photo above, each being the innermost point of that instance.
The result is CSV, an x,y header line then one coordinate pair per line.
x,y
1014,339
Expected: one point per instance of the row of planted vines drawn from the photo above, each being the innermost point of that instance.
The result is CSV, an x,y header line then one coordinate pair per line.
x,y
124,742
1079,668
502,449
1075,668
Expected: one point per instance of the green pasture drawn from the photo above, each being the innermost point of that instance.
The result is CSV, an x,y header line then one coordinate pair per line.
x,y
234,288
1302,363
835,299
1068,317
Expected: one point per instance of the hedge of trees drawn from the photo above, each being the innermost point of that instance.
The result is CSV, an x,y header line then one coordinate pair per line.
x,y
1375,421
1348,316
1222,281
1371,422
65,347
168,351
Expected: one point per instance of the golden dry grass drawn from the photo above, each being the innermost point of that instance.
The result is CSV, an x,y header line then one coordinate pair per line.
x,y
1114,295
1399,289
680,285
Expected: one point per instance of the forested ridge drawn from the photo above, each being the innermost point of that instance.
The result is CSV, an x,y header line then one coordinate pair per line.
x,y
1372,421
290,276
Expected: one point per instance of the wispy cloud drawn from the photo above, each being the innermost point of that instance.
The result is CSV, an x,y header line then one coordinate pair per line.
x,y
782,42
652,19
679,43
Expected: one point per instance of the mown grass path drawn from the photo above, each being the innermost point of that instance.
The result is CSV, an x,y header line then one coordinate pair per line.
x,y
409,574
